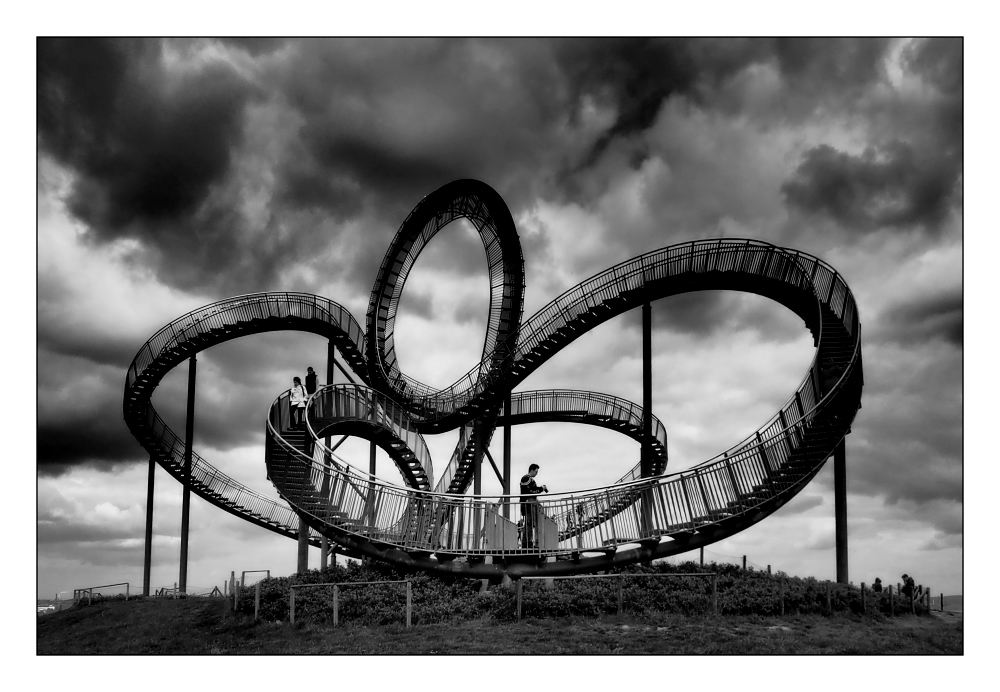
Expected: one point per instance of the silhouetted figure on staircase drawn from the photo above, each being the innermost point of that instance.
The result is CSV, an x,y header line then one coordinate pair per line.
x,y
310,381
529,507
297,403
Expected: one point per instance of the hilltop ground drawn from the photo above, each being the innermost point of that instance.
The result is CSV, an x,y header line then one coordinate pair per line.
x,y
207,626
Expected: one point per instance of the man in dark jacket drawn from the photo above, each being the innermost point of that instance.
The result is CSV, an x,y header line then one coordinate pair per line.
x,y
310,381
529,506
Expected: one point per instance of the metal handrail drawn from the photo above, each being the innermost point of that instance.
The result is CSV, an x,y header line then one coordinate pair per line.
x,y
773,443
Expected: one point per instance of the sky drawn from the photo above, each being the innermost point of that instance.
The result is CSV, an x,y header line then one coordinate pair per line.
x,y
174,173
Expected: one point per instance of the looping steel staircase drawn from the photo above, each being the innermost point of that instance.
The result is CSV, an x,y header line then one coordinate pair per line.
x,y
632,520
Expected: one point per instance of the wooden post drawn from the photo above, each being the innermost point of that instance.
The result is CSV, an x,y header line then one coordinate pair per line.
x,y
409,602
256,601
942,602
782,594
744,563
621,581
336,605
291,605
715,595
520,585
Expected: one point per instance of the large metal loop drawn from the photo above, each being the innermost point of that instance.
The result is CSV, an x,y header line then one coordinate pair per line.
x,y
434,409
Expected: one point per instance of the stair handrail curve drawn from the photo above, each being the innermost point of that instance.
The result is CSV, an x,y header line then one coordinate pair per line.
x,y
792,422
170,345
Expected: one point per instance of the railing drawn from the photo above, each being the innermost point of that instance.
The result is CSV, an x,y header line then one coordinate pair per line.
x,y
746,476
226,313
222,315
337,586
78,594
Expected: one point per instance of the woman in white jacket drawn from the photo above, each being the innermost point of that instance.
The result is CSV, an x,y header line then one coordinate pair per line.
x,y
297,402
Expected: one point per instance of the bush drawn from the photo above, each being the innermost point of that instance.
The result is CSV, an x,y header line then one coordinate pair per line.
x,y
438,599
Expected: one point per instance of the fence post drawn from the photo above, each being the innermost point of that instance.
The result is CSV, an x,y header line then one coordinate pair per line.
x,y
782,594
409,602
520,585
621,580
769,570
715,594
744,563
336,605
942,602
126,593
291,605
829,607
256,601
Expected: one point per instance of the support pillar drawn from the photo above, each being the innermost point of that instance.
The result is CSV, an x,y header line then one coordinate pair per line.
x,y
506,455
646,466
477,482
147,559
186,501
324,548
302,562
646,460
840,508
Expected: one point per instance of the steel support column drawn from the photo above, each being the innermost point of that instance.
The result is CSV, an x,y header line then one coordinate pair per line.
x,y
646,460
147,559
506,455
840,508
324,548
302,554
477,481
186,499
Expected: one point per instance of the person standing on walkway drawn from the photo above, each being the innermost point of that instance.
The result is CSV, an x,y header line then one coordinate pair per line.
x,y
310,381
297,402
529,506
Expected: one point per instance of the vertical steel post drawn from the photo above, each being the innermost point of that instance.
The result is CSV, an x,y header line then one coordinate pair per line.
x,y
302,561
646,460
477,482
701,556
147,559
371,485
840,508
186,501
324,548
506,456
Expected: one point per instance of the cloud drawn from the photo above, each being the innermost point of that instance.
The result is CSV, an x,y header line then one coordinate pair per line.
x,y
886,186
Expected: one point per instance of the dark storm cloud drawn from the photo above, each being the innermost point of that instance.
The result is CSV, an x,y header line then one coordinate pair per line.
x,y
891,185
92,437
939,316
149,146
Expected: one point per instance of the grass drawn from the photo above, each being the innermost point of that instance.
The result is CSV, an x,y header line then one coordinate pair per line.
x,y
207,626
